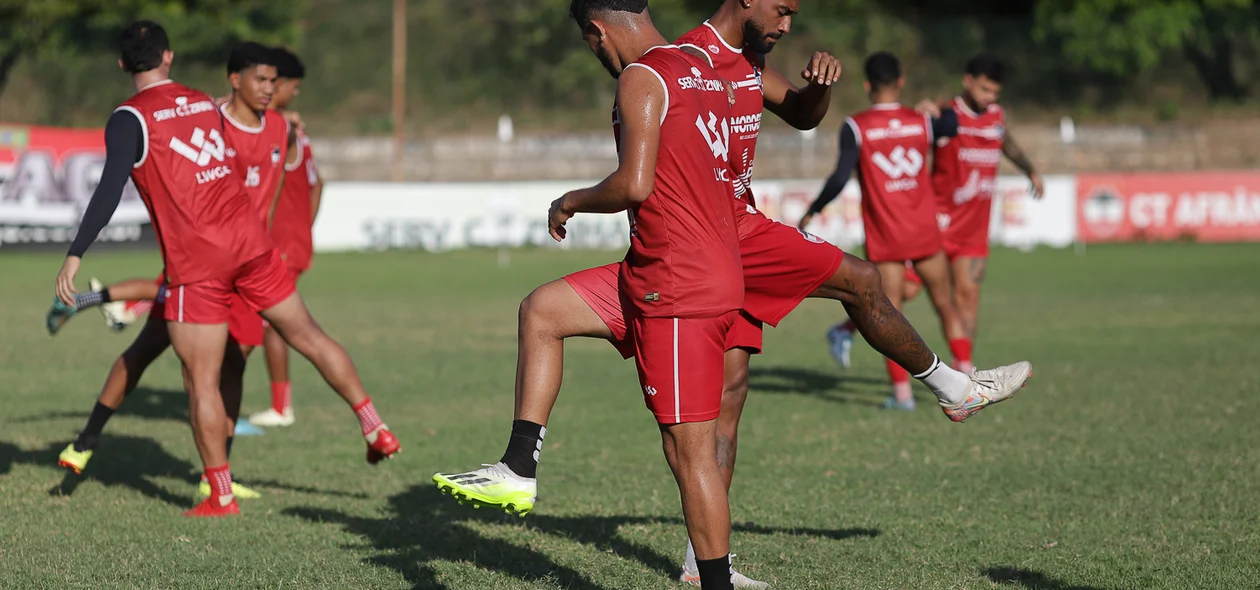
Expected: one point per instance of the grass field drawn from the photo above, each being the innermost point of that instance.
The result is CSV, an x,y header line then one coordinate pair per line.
x,y
1129,462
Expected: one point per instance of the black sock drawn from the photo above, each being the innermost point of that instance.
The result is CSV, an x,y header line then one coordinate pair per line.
x,y
229,446
715,574
91,299
523,448
92,430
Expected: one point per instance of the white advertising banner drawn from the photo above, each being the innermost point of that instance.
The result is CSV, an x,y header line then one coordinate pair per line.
x,y
445,216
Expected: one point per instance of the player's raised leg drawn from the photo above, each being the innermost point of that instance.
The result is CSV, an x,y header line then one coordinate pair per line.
x,y
935,272
299,329
201,349
551,313
111,299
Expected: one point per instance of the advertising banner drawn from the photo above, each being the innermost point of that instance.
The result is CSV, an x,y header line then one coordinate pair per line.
x,y
47,176
1203,206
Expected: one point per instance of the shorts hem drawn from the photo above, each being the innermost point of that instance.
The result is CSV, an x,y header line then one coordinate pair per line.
x,y
669,419
790,304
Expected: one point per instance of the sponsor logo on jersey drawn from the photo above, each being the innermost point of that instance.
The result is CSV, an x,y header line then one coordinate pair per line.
x,y
902,167
183,109
275,155
697,81
714,49
895,130
992,132
980,156
748,124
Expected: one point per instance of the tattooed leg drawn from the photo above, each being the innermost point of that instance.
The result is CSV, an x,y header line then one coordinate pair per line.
x,y
858,285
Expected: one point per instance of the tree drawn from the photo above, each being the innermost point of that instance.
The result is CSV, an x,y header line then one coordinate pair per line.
x,y
35,29
1126,37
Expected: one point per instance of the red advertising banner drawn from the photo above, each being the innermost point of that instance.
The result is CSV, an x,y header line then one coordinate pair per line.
x,y
1204,206
47,175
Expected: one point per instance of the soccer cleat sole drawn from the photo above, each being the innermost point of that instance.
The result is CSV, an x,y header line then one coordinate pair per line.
x,y
477,500
71,467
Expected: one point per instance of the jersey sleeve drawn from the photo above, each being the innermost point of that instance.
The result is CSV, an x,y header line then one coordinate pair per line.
x,y
946,125
124,145
844,169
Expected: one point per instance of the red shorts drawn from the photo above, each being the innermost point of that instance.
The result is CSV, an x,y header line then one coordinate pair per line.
x,y
911,275
681,365
261,284
965,247
245,326
598,287
782,266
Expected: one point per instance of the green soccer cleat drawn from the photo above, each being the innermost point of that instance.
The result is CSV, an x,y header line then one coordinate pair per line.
x,y
57,316
494,485
238,490
73,460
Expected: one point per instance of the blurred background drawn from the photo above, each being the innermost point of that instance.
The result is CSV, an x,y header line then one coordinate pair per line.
x,y
1148,84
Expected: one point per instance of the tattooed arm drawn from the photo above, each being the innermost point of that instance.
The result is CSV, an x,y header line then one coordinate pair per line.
x,y
1012,151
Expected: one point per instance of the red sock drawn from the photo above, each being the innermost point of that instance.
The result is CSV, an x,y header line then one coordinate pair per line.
x,y
220,479
896,373
281,396
961,348
139,308
368,418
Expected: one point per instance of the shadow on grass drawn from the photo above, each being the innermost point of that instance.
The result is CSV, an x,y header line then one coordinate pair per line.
x,y
128,461
1029,579
144,402
424,527
831,387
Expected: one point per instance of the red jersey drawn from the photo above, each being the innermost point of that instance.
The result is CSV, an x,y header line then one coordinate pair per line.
x,y
291,227
202,217
684,253
898,204
965,168
742,67
259,153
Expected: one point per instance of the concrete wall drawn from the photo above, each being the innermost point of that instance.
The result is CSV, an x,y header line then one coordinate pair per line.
x,y
1222,145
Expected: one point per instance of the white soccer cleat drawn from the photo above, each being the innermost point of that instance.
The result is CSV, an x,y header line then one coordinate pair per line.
x,y
270,417
840,340
492,485
988,388
738,580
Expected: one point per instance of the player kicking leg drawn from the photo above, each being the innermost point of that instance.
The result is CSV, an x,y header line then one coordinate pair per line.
x,y
120,303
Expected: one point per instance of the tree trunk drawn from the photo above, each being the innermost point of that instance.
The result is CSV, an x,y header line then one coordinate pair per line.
x,y
7,61
1217,70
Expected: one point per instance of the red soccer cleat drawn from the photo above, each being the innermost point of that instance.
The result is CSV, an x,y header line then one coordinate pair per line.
x,y
381,444
210,508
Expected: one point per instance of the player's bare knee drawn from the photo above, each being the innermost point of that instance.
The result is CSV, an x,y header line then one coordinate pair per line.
x,y
864,276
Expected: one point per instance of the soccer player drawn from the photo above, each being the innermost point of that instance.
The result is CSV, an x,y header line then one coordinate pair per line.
x,y
888,145
681,276
964,174
213,248
782,266
291,229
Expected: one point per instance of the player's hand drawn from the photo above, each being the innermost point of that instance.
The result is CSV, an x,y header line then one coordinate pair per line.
x,y
294,119
65,280
822,70
805,221
1038,185
557,217
929,108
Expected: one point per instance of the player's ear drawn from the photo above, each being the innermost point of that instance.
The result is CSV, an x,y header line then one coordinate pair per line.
x,y
168,56
121,66
235,80
901,82
867,86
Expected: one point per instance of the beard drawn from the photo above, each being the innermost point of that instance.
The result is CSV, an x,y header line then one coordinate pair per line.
x,y
755,36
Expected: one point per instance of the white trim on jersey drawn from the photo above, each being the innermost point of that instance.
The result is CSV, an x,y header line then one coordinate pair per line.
x,y
664,86
301,153
144,132
254,130
927,126
719,36
885,106
706,55
857,131
677,395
